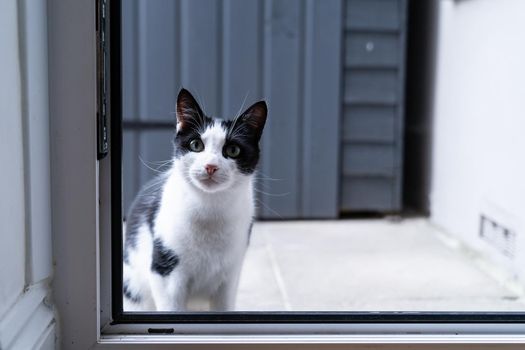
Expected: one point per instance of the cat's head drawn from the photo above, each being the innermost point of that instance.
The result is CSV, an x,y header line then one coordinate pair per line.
x,y
216,154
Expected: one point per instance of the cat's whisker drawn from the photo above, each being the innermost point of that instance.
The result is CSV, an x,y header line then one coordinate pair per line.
x,y
270,209
159,165
150,168
238,134
266,182
153,183
272,194
262,182
267,179
264,186
260,176
232,127
196,127
160,161
243,102
165,165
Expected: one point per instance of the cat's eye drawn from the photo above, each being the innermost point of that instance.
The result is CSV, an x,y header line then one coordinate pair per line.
x,y
233,151
196,145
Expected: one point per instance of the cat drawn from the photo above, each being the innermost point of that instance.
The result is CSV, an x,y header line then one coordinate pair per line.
x,y
188,229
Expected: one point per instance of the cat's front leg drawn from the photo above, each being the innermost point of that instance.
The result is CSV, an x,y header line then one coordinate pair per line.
x,y
224,298
169,292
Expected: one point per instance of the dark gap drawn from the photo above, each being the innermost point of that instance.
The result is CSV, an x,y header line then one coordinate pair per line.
x,y
161,330
422,27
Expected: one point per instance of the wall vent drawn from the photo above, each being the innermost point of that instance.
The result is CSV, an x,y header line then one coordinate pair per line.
x,y
502,238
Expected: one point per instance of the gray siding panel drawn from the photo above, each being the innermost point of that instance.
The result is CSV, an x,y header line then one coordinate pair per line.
x,y
365,86
322,109
281,142
372,136
369,160
372,50
373,15
242,55
368,194
201,51
156,82
369,124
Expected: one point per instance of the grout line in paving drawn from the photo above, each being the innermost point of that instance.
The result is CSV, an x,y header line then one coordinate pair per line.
x,y
277,274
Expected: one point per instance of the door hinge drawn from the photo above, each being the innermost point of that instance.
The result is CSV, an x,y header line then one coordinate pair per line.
x,y
102,54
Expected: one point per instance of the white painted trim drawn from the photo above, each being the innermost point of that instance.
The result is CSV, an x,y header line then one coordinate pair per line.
x,y
48,339
72,111
315,339
307,330
36,330
27,319
32,17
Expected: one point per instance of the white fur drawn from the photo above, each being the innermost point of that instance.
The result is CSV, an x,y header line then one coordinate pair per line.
x,y
205,223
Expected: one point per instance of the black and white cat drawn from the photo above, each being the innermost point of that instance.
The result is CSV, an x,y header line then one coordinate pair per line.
x,y
187,230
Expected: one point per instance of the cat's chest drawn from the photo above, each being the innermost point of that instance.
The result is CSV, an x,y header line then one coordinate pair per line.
x,y
212,234
209,237
210,249
203,233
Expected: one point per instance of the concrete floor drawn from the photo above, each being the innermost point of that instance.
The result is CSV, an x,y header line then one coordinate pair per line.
x,y
365,265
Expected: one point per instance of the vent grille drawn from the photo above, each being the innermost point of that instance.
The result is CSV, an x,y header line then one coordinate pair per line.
x,y
502,238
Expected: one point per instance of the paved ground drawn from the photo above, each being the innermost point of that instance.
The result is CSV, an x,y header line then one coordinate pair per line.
x,y
365,265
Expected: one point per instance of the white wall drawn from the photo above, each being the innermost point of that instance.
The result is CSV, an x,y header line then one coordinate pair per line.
x,y
26,320
479,121
12,219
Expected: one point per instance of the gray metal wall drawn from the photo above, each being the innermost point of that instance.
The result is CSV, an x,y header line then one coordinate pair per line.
x,y
304,58
372,141
287,52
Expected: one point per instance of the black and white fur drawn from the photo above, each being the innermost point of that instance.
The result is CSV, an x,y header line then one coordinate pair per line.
x,y
188,229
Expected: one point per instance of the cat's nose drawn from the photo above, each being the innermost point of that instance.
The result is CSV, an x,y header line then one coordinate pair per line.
x,y
211,169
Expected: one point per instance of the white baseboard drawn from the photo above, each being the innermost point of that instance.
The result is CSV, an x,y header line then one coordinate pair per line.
x,y
29,323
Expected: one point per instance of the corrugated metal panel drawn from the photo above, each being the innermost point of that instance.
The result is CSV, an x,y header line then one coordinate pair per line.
x,y
371,86
369,159
281,79
374,193
322,108
374,124
375,15
372,140
364,49
288,52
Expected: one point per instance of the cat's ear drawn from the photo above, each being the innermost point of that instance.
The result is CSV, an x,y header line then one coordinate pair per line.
x,y
188,110
255,117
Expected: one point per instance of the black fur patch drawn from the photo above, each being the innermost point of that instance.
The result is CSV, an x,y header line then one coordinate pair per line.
x,y
250,232
136,298
191,120
164,260
247,141
189,132
144,209
245,131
